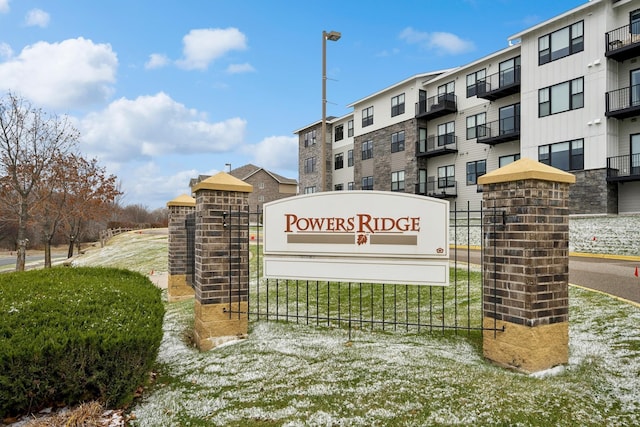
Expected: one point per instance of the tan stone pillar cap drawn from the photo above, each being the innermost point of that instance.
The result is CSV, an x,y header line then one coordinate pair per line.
x,y
182,200
222,181
526,169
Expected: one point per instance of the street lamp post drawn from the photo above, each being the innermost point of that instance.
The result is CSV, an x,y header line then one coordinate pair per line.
x,y
229,166
333,36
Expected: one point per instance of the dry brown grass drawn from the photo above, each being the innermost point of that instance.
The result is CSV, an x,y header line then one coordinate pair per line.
x,y
90,414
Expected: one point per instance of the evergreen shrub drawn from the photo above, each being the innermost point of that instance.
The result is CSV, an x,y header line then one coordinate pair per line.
x,y
70,335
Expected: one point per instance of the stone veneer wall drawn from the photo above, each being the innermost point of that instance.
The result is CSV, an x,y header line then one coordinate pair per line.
x,y
592,194
384,161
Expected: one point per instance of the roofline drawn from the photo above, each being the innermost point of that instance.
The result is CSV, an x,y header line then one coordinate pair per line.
x,y
588,4
388,88
331,119
474,63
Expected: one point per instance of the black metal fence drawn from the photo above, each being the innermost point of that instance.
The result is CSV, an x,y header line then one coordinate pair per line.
x,y
366,306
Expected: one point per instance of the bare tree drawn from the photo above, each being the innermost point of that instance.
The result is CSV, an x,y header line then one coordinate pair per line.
x,y
30,140
90,194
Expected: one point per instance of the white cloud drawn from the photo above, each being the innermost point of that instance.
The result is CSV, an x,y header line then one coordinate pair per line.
x,y
156,60
201,47
147,183
442,42
150,126
37,18
275,152
71,74
5,51
240,68
4,6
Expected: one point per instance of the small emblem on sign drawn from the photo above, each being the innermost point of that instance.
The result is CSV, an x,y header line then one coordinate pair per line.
x,y
440,250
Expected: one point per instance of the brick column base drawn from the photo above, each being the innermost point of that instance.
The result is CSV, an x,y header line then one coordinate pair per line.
x,y
178,289
525,348
214,327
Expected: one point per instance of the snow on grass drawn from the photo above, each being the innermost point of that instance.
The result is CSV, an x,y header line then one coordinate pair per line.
x,y
294,375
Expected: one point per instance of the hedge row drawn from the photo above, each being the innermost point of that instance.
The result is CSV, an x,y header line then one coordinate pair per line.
x,y
69,335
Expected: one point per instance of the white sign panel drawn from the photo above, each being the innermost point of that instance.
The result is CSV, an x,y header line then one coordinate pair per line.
x,y
363,236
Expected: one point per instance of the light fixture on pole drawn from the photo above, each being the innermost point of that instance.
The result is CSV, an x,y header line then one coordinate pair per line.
x,y
333,36
229,166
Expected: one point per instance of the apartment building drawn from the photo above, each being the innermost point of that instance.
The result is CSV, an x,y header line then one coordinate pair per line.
x,y
566,92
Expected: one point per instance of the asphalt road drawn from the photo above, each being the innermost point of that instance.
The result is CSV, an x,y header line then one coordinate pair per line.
x,y
610,275
33,261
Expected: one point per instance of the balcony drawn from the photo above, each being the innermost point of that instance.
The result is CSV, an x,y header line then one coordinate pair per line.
x,y
499,85
623,168
622,43
438,145
436,106
623,103
444,188
504,130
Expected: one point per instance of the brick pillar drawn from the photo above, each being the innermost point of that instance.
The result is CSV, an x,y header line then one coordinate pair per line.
x,y
526,273
178,286
222,260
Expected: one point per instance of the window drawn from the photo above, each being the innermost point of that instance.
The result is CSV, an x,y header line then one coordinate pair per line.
x,y
338,162
634,21
367,183
350,158
310,138
350,128
509,119
509,71
310,190
446,88
473,80
367,150
397,105
367,117
397,141
261,198
505,160
564,42
351,185
475,170
339,133
397,181
561,97
310,165
261,186
567,155
446,176
446,134
476,126
338,187
635,154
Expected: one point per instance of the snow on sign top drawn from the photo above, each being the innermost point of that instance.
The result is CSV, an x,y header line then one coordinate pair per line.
x,y
356,232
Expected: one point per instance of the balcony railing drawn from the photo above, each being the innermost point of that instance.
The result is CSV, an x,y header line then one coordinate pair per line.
x,y
438,145
503,130
436,106
623,43
499,85
623,103
444,188
623,168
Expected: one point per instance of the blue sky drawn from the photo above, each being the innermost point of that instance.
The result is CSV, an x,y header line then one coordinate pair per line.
x,y
162,91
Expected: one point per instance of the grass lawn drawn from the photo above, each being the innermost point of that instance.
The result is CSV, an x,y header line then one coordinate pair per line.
x,y
294,375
